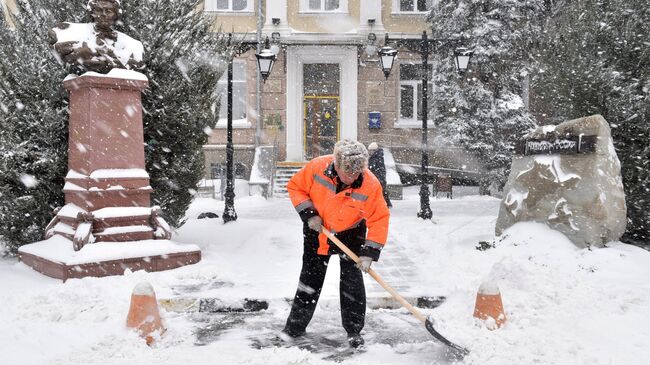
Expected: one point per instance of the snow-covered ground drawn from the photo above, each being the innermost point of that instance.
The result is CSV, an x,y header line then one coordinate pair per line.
x,y
564,305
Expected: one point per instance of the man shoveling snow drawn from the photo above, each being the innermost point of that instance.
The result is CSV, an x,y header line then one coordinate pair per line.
x,y
337,192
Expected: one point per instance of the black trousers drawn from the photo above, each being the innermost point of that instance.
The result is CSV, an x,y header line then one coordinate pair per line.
x,y
351,289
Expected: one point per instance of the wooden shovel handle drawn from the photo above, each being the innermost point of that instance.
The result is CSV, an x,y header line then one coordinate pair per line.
x,y
376,276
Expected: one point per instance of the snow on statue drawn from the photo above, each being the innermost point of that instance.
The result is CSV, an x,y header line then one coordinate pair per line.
x,y
97,46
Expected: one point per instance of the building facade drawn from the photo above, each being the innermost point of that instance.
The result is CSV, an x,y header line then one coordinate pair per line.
x,y
327,83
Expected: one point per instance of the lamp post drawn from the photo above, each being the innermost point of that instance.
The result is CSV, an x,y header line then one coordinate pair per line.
x,y
387,56
265,61
229,213
425,208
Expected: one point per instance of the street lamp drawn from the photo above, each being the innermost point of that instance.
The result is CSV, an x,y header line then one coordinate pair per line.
x,y
387,56
265,60
462,55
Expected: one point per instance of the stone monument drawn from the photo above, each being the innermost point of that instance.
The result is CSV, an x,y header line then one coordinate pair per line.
x,y
569,177
107,224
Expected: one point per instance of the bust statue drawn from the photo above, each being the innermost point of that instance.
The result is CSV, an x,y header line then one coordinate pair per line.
x,y
97,46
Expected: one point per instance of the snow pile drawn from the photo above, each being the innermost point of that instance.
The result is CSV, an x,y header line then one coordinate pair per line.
x,y
564,305
258,172
59,249
392,177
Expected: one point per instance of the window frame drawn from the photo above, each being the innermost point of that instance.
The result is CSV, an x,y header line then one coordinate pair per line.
x,y
416,121
222,123
396,9
211,6
304,8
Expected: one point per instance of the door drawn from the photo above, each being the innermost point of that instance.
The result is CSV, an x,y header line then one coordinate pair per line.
x,y
321,125
321,104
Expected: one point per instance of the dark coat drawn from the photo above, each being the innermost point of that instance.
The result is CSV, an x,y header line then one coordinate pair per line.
x,y
377,166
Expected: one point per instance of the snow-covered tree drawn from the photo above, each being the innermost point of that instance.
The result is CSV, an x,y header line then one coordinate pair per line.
x,y
33,129
183,63
180,52
483,110
595,59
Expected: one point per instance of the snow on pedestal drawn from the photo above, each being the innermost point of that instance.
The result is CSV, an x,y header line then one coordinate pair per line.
x,y
55,257
577,193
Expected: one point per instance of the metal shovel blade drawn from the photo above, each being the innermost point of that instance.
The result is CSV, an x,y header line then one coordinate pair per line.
x,y
456,351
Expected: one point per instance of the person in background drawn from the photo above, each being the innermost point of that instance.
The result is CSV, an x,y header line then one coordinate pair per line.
x,y
337,192
378,167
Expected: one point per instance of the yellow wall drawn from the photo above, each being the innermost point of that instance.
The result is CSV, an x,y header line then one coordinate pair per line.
x,y
323,22
236,23
312,23
405,23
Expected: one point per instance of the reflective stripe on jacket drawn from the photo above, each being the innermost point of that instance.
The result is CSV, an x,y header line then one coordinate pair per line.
x,y
313,192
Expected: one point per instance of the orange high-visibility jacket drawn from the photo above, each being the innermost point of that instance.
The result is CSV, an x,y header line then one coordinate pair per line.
x,y
313,192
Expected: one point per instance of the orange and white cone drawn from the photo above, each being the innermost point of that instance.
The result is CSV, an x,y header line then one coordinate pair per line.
x,y
143,313
489,306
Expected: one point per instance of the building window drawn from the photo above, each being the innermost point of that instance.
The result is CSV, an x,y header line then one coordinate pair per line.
x,y
412,6
218,170
228,5
410,94
322,6
239,96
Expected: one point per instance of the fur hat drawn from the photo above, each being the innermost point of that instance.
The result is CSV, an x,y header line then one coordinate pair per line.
x,y
373,146
350,156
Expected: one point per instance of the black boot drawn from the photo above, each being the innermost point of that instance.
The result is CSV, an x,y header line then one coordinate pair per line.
x,y
292,333
355,340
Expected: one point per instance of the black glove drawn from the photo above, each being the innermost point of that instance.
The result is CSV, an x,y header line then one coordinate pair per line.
x,y
315,223
364,263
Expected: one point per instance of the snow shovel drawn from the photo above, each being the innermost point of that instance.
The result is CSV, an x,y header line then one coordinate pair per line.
x,y
455,350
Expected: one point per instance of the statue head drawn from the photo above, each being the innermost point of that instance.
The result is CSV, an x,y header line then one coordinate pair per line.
x,y
104,13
